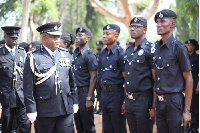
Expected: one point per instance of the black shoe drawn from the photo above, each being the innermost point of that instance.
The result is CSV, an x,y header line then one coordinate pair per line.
x,y
97,112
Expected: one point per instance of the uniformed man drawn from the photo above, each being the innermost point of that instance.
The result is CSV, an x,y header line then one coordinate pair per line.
x,y
24,45
99,48
11,78
139,103
85,73
172,77
193,46
49,88
111,65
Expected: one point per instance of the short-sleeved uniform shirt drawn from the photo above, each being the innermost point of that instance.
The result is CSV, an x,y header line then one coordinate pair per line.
x,y
171,60
138,65
112,65
194,60
83,62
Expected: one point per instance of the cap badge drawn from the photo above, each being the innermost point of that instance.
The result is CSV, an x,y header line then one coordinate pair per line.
x,y
188,41
160,15
80,29
56,27
135,20
98,42
108,27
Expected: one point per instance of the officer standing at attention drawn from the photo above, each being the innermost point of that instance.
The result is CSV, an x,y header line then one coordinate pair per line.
x,y
85,73
12,60
99,48
111,65
193,46
49,87
139,79
172,77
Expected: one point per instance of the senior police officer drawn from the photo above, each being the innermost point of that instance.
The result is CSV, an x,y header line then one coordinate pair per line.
x,y
172,76
111,65
11,78
193,46
85,73
139,104
99,48
49,87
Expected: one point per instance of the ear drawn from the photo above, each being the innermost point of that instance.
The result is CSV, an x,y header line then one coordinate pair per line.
x,y
145,30
173,23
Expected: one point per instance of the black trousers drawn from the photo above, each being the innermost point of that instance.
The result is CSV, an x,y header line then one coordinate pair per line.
x,y
60,124
84,120
8,117
195,111
169,114
137,114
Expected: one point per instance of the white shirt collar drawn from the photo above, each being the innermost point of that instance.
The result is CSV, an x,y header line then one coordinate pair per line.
x,y
49,51
9,49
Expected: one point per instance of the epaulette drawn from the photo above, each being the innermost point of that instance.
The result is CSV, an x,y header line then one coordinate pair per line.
x,y
149,44
178,43
33,51
21,48
63,49
89,51
120,49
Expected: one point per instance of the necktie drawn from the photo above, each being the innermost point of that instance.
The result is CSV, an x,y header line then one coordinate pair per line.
x,y
12,52
53,55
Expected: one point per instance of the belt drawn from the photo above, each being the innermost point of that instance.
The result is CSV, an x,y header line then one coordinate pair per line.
x,y
134,96
83,88
107,88
167,97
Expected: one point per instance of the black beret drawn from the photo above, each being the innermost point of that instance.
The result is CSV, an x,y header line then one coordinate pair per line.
x,y
84,30
112,27
66,38
166,13
50,28
11,31
24,45
193,42
2,42
99,43
35,44
73,38
139,20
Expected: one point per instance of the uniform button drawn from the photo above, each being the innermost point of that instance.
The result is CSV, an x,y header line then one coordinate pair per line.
x,y
128,73
192,65
110,66
114,69
75,57
158,78
129,63
158,89
1,92
40,97
159,58
107,57
104,80
127,83
167,64
138,61
44,68
132,54
73,73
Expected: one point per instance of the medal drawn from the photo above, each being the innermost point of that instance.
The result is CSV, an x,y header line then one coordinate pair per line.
x,y
64,62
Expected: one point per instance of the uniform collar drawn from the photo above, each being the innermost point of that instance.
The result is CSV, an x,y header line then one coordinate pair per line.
x,y
9,49
49,51
82,51
142,43
113,49
169,41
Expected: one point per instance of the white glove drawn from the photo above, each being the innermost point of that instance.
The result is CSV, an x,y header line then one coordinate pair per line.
x,y
75,106
32,116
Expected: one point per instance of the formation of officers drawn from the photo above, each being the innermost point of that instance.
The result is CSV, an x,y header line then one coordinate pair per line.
x,y
51,85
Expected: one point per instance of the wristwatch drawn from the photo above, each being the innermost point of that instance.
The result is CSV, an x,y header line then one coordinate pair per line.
x,y
88,98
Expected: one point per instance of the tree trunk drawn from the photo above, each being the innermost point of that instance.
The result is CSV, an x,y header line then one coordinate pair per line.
x,y
25,17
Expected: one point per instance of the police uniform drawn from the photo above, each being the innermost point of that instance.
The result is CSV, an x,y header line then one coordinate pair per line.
x,y
84,61
112,96
171,60
139,89
11,84
194,60
49,86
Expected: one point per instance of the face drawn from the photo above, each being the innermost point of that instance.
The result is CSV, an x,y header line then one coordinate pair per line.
x,y
99,48
11,41
81,39
109,37
164,26
51,41
62,44
191,48
137,30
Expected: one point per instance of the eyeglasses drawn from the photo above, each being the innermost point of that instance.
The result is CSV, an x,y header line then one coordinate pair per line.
x,y
135,26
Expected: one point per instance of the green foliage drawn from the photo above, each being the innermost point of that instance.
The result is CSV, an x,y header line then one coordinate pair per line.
x,y
188,14
142,4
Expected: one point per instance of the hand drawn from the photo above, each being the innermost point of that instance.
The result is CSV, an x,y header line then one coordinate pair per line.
x,y
0,112
123,109
88,105
75,107
32,116
186,118
152,114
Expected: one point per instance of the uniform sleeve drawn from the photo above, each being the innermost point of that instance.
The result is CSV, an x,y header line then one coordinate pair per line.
x,y
28,87
73,87
183,59
121,61
91,62
151,55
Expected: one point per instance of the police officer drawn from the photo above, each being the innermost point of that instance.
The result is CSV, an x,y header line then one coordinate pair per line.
x,y
172,77
99,48
111,65
139,104
49,87
85,73
11,78
193,46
